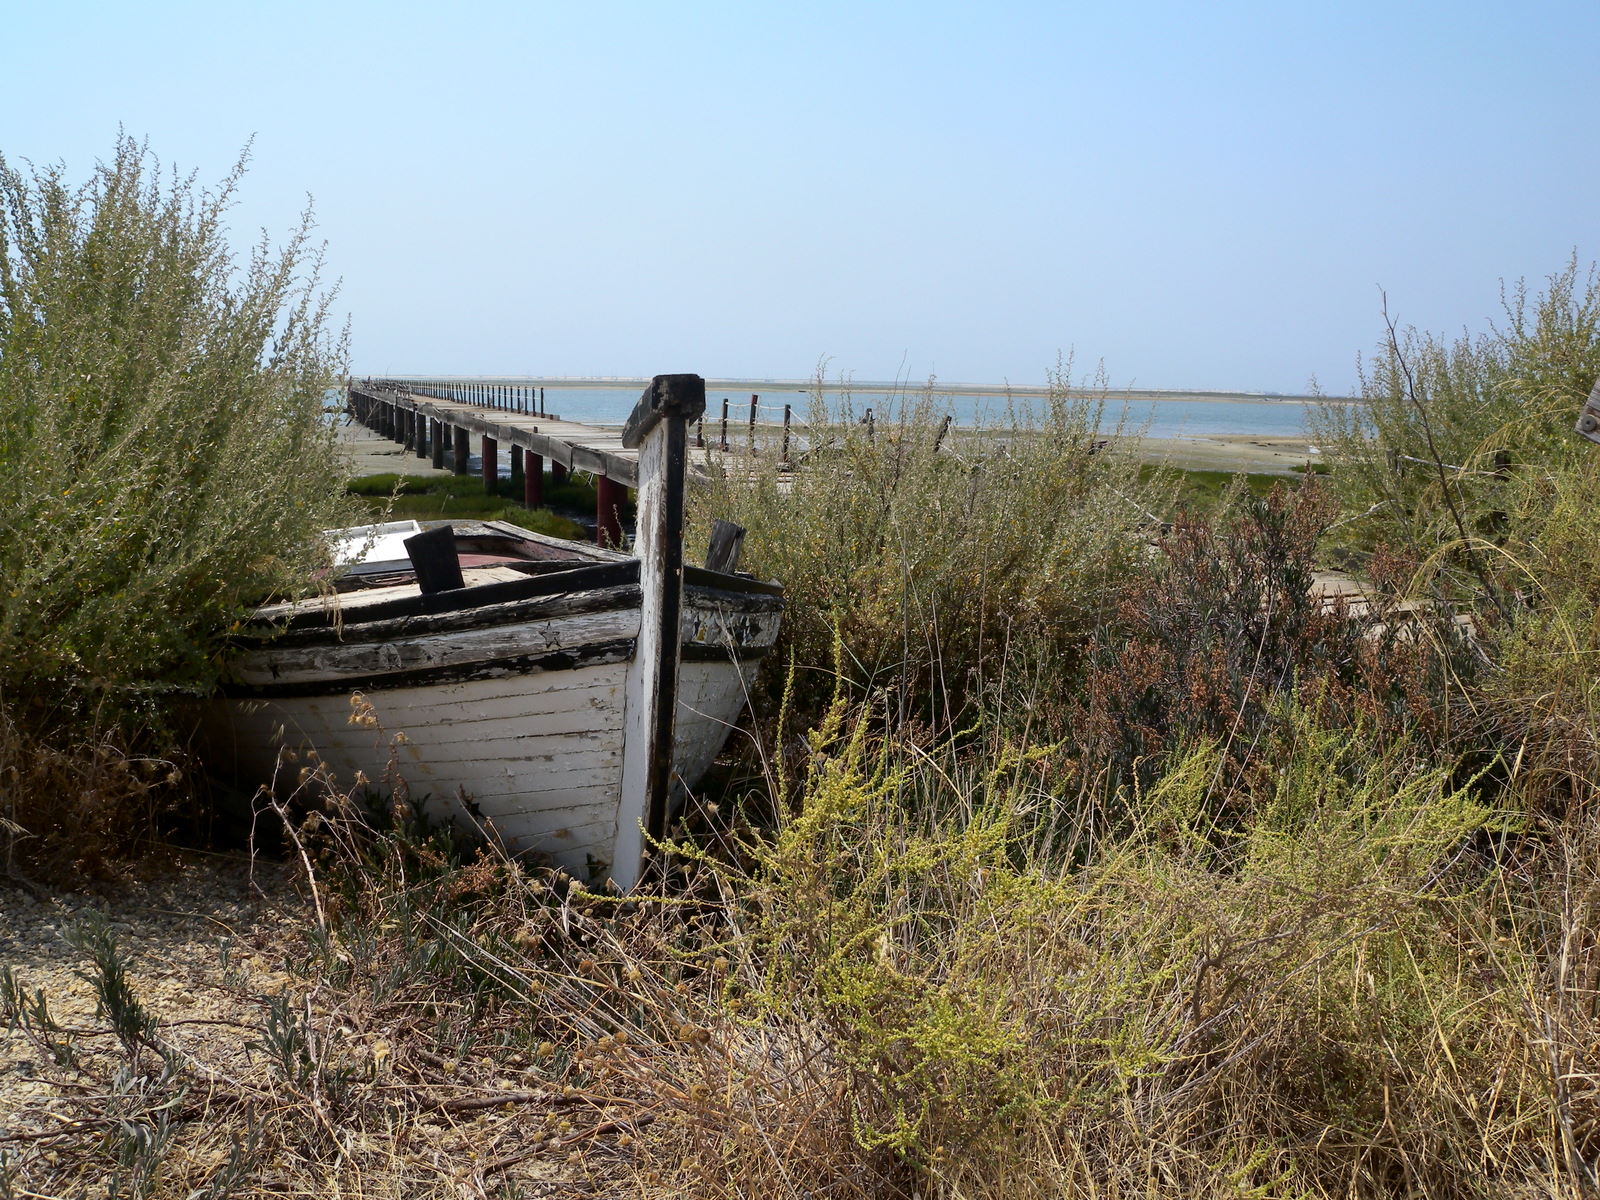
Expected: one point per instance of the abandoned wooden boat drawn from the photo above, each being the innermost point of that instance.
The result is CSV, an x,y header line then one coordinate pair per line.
x,y
535,681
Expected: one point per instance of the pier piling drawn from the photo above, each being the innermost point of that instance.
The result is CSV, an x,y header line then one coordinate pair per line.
x,y
609,497
490,453
533,480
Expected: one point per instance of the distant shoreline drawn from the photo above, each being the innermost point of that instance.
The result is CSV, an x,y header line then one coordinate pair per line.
x,y
804,386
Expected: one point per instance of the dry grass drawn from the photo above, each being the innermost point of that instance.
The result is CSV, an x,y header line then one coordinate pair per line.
x,y
1372,986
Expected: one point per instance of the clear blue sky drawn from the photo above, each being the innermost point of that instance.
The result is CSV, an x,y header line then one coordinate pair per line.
x,y
1198,195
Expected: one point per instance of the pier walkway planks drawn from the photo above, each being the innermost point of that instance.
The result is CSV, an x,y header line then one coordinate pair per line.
x,y
573,445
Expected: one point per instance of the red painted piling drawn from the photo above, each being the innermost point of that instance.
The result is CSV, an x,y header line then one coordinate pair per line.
x,y
436,440
558,473
609,496
459,465
533,480
516,461
490,454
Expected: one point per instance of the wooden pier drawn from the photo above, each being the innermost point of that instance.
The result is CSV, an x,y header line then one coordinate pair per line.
x,y
439,422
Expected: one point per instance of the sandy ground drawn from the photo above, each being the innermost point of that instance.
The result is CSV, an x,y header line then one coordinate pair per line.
x,y
370,453
1232,452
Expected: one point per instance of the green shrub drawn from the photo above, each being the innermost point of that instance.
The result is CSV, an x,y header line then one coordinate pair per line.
x,y
1416,463
163,455
1512,545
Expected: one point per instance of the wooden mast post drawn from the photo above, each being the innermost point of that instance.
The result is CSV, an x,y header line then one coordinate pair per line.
x,y
659,429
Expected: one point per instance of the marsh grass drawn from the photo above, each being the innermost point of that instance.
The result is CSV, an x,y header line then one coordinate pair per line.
x,y
910,554
438,498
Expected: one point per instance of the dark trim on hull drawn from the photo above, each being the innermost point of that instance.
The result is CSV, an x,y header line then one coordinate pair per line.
x,y
698,579
401,629
599,654
579,579
521,664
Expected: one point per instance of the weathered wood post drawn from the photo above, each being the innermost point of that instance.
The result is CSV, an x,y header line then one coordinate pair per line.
x,y
753,399
723,552
437,441
788,413
609,496
422,433
722,442
533,480
558,472
490,453
659,428
516,463
700,433
542,412
461,456
872,426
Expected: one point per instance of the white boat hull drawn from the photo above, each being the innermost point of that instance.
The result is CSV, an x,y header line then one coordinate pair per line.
x,y
540,764
499,704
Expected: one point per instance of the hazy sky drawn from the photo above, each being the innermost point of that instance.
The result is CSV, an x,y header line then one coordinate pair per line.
x,y
1198,195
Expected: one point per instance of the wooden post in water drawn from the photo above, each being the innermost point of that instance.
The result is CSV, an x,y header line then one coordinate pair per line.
x,y
542,413
609,497
533,480
459,465
659,429
753,399
490,453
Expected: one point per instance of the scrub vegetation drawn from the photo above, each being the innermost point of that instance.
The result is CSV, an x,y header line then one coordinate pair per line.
x,y
163,462
1076,848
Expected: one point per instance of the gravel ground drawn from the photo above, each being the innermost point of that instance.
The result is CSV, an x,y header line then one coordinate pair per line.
x,y
206,939
170,928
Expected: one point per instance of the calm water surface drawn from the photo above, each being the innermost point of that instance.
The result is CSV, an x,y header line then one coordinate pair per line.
x,y
1156,418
